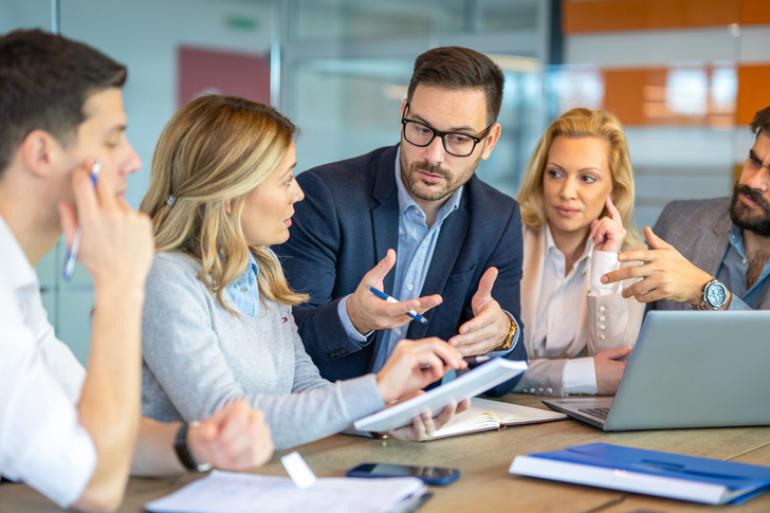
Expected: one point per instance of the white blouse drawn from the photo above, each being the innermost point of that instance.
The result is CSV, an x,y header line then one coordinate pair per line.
x,y
561,332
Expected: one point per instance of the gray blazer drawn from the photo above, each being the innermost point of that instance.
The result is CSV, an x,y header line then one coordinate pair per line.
x,y
699,230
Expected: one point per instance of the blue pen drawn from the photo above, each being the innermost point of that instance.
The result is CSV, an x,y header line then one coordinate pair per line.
x,y
390,299
68,269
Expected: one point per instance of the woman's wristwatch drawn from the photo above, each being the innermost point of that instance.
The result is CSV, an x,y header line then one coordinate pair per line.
x,y
184,453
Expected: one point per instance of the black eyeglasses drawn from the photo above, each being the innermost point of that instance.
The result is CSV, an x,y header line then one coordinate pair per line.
x,y
457,144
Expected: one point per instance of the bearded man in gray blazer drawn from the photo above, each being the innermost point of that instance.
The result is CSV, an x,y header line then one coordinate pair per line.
x,y
710,254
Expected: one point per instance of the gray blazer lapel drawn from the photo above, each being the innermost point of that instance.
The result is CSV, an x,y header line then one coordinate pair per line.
x,y
710,247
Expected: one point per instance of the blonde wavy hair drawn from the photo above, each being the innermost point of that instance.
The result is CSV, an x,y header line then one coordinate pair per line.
x,y
212,153
581,122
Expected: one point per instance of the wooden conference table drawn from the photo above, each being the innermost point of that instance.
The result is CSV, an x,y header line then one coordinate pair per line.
x,y
483,459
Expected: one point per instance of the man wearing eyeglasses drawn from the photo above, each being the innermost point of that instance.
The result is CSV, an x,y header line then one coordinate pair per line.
x,y
414,221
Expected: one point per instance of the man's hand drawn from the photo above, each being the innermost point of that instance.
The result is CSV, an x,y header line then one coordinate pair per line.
x,y
609,371
234,438
368,312
664,273
424,426
416,364
490,324
116,244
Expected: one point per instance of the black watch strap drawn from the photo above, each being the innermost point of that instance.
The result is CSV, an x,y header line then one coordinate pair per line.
x,y
183,451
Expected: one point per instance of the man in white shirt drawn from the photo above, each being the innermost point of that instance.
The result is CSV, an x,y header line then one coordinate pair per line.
x,y
74,434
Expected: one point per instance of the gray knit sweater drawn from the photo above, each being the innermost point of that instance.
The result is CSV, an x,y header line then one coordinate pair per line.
x,y
198,357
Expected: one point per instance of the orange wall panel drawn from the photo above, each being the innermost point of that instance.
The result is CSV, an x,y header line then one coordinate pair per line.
x,y
581,16
753,91
755,12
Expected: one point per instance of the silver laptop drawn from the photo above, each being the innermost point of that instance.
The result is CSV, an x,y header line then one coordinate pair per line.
x,y
689,369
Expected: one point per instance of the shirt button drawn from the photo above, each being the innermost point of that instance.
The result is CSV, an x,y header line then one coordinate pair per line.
x,y
550,390
410,286
602,327
602,308
532,390
540,390
602,318
744,260
602,336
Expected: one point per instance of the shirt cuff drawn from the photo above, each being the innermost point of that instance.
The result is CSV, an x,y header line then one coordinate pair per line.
x,y
737,303
350,330
579,376
603,262
513,342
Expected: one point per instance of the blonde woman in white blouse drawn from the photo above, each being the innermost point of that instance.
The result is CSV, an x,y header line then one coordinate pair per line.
x,y
577,210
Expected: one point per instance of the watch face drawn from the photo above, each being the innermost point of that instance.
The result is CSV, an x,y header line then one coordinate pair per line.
x,y
716,295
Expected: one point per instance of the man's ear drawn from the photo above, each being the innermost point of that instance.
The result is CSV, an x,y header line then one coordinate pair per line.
x,y
491,140
38,151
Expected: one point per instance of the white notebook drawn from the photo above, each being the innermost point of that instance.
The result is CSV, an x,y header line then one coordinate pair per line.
x,y
231,492
469,384
486,415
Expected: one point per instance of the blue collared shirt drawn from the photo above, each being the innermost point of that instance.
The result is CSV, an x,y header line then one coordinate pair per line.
x,y
416,244
244,290
732,272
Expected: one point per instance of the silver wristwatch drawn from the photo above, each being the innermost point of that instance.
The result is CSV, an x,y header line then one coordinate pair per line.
x,y
714,296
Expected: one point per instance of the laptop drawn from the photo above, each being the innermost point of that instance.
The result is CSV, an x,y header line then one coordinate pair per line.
x,y
689,369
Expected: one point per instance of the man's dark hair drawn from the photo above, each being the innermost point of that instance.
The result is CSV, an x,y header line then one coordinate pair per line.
x,y
455,67
761,122
45,80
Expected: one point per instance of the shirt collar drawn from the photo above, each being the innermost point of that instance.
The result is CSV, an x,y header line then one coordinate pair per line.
x,y
550,246
17,269
736,240
406,201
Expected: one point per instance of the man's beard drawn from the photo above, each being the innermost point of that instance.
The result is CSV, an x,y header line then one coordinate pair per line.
x,y
742,216
411,179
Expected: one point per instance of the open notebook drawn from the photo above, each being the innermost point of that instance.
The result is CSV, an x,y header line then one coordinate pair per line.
x,y
486,415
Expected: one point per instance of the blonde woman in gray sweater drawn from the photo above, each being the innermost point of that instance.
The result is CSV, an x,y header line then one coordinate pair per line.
x,y
217,319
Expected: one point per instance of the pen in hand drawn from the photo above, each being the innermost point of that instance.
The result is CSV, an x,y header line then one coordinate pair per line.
x,y
390,299
68,269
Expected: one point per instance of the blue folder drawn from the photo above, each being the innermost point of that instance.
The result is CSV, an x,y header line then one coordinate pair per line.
x,y
741,481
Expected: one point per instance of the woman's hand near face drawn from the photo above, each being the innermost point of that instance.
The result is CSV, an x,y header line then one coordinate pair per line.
x,y
608,232
416,364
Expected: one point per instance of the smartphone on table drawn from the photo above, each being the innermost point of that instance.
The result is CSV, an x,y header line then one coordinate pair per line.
x,y
436,476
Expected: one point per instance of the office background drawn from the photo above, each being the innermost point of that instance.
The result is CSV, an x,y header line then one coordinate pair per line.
x,y
684,76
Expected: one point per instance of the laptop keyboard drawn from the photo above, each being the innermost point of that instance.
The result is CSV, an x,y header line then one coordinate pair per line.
x,y
596,412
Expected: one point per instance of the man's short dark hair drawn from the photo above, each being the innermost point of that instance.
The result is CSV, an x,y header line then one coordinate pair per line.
x,y
761,122
45,81
455,67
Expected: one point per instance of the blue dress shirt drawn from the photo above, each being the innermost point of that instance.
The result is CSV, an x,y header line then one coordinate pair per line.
x,y
244,291
416,244
732,272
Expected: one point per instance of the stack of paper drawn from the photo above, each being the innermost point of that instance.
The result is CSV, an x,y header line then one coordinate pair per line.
x,y
486,415
230,492
664,474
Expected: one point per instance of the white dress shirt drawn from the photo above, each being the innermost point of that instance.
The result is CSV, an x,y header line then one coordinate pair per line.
x,y
559,311
41,440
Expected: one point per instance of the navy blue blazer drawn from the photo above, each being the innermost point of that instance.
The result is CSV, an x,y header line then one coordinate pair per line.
x,y
345,225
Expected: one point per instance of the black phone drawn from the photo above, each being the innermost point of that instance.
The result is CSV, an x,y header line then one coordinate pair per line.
x,y
437,476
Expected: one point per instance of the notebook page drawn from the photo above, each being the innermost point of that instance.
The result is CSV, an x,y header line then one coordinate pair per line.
x,y
230,492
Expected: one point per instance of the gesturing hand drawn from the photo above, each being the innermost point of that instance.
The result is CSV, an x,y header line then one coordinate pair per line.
x,y
490,324
368,312
664,273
